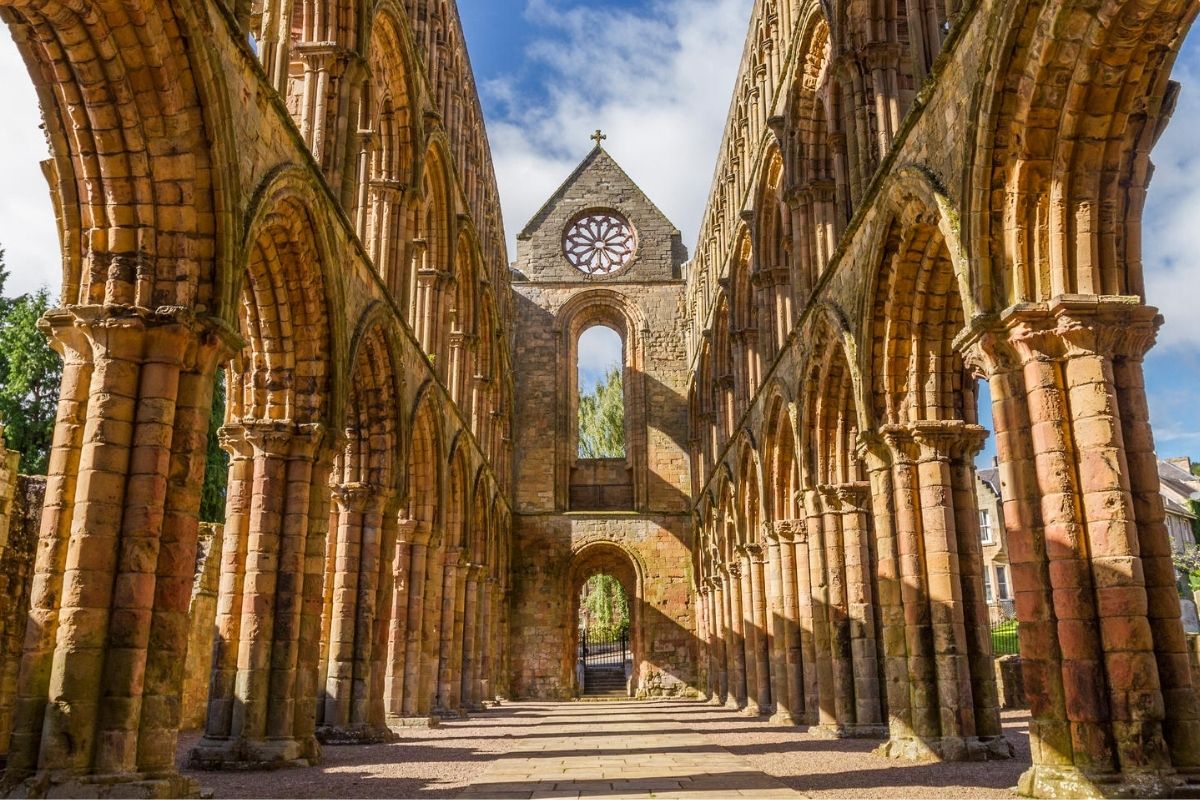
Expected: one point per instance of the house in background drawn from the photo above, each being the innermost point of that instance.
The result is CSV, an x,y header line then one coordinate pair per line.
x,y
1178,486
997,576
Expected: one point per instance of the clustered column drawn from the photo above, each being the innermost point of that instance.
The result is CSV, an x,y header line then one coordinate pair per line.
x,y
263,698
104,651
1101,640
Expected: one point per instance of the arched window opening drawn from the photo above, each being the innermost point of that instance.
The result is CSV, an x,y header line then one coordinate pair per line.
x,y
601,385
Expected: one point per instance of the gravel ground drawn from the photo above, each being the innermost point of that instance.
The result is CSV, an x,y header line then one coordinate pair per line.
x,y
441,762
819,767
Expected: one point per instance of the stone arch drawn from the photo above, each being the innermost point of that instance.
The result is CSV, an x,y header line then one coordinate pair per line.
x,y
432,269
387,160
1061,211
922,399
282,446
781,467
359,578
848,695
602,556
452,590
776,284
613,310
464,316
915,306
816,168
113,144
290,314
416,605
744,320
724,402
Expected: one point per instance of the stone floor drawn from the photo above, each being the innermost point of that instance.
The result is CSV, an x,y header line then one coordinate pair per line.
x,y
666,749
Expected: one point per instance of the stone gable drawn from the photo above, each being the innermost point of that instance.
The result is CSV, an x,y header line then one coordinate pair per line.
x,y
599,183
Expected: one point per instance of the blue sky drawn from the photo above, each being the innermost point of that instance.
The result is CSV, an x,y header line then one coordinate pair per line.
x,y
657,76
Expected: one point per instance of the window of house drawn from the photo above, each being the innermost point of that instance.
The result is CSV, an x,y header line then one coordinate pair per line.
x,y
987,588
985,526
601,383
1002,582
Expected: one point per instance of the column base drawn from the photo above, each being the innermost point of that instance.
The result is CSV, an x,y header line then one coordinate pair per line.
x,y
786,718
1066,781
450,713
733,705
947,748
239,753
839,731
355,734
413,722
752,709
140,786
475,708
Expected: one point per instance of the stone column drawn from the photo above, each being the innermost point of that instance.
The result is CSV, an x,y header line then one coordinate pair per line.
x,y
472,625
805,621
860,604
837,605
790,701
267,715
102,667
397,635
720,635
435,614
776,625
414,709
446,669
1096,631
734,649
485,693
762,640
353,649
874,452
826,703
750,631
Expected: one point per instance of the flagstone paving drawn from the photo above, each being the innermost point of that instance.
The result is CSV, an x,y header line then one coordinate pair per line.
x,y
618,750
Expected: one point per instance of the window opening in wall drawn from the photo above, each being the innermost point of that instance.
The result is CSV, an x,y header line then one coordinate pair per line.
x,y
601,394
985,526
987,588
1001,583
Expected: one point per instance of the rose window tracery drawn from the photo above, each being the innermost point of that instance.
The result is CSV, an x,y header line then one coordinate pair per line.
x,y
599,242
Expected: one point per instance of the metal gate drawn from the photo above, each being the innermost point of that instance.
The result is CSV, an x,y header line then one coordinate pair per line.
x,y
603,648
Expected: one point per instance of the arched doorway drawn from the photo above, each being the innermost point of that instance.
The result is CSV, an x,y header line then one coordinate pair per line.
x,y
589,562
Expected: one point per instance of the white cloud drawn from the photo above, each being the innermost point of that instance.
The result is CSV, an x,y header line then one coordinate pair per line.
x,y
27,228
658,82
1171,235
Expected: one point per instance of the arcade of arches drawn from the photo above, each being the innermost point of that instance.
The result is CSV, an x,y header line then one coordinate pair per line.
x,y
911,198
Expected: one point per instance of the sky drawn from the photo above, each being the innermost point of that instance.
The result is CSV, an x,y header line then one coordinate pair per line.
x,y
657,76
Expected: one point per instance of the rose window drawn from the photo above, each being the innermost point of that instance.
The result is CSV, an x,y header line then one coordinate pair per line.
x,y
599,243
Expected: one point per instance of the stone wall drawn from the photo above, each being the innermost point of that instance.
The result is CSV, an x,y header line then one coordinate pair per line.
x,y
648,554
202,617
21,499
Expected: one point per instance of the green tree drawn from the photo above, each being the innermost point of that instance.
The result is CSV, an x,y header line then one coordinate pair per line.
x,y
30,373
606,605
216,467
602,418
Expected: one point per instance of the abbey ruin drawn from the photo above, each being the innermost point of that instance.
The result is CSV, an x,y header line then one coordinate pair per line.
x,y
910,199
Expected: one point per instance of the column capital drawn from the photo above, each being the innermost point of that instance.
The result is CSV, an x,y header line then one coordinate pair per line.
x,y
943,440
734,569
872,448
411,531
166,335
359,497
851,497
1064,327
789,530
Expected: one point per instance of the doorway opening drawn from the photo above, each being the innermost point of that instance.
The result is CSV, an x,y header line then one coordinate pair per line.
x,y
605,658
